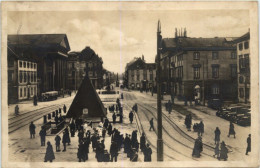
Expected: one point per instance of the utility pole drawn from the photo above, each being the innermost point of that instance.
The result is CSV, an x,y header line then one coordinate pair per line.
x,y
159,105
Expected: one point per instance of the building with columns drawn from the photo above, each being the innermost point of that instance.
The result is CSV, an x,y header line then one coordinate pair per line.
x,y
140,75
198,68
36,64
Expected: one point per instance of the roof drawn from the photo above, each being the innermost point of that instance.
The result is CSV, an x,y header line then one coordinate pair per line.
x,y
243,37
136,62
86,98
40,40
169,42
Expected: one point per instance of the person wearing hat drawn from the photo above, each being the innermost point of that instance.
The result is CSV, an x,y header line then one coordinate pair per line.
x,y
248,149
42,135
148,154
64,141
223,151
49,155
113,151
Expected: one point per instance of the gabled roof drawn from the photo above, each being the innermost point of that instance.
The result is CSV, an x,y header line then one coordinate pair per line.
x,y
39,40
243,37
136,63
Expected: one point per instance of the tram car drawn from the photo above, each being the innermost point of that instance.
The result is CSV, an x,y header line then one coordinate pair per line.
x,y
48,96
108,95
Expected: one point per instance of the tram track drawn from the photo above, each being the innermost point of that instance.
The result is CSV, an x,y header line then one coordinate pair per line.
x,y
24,119
188,138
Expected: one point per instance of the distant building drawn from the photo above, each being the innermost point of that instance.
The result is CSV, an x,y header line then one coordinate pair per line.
x,y
140,75
191,65
36,64
80,63
243,69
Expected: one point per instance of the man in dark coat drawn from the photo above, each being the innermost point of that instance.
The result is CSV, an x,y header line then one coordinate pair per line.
x,y
42,135
169,107
104,133
231,130
72,129
127,144
16,110
56,120
64,108
49,155
80,135
217,135
114,118
151,125
94,142
201,128
113,151
64,141
131,116
57,143
60,110
106,122
198,147
32,130
81,153
142,142
248,149
148,154
223,151
109,129
86,147
67,136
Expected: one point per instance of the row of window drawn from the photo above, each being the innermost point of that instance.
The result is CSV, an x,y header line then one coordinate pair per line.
x,y
27,64
244,61
138,85
144,71
215,71
244,93
215,55
27,76
144,76
25,92
244,45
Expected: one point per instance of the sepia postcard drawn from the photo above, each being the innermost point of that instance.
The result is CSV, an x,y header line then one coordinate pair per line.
x,y
129,84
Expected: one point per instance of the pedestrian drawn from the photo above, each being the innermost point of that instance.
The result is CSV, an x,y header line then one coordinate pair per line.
x,y
72,128
121,118
60,110
106,122
148,154
32,130
81,153
80,135
201,128
127,144
216,150
109,129
169,109
151,125
104,133
114,118
113,151
198,147
248,149
42,135
16,110
67,136
64,109
49,155
217,135
94,141
57,143
231,130
142,142
86,147
223,151
64,141
56,120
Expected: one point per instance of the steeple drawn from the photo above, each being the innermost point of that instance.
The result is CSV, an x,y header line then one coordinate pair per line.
x,y
159,27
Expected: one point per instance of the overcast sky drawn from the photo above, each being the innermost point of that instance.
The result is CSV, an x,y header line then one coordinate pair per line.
x,y
119,36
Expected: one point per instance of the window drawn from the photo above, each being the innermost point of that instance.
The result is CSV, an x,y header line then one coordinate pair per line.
x,y
35,91
21,77
233,70
215,89
73,74
246,60
215,71
29,76
247,93
73,65
20,64
138,77
90,65
24,77
24,92
246,45
240,46
132,77
233,55
145,74
32,91
180,71
24,64
214,55
28,65
196,55
34,66
10,76
241,62
241,92
35,77
241,79
151,75
196,72
21,92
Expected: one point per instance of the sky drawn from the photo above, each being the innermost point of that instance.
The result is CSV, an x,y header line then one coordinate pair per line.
x,y
120,35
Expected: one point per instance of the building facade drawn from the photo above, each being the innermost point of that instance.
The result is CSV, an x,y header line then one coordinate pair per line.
x,y
82,63
199,68
140,75
243,68
36,64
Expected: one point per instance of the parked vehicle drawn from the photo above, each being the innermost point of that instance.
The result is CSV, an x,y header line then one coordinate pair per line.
x,y
215,103
47,96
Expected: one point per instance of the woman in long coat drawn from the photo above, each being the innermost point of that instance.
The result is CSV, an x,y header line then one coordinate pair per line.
x,y
49,156
198,147
217,135
216,150
231,130
223,151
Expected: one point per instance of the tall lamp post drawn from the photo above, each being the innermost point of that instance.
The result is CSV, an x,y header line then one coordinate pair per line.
x,y
159,105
